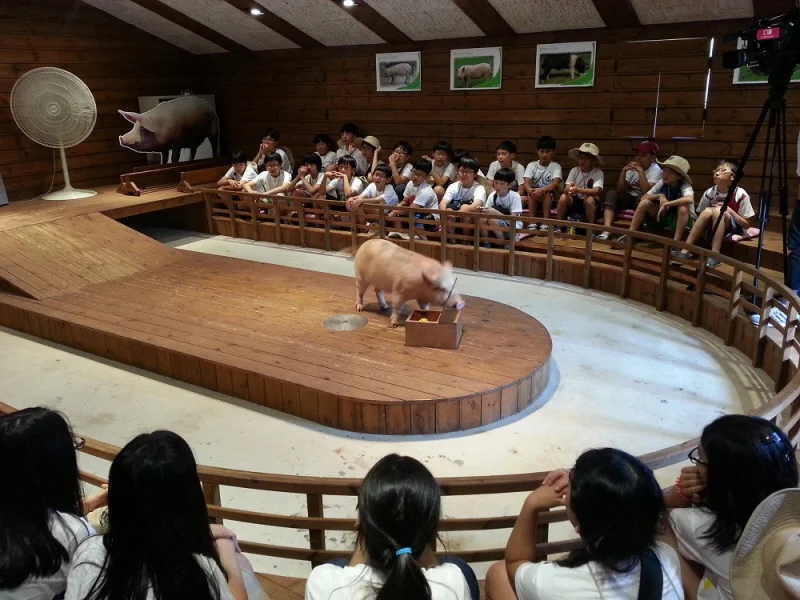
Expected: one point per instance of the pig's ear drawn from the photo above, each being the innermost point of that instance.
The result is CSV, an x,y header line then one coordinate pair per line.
x,y
130,116
431,275
447,264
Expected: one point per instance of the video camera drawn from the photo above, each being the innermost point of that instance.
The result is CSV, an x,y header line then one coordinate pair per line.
x,y
770,45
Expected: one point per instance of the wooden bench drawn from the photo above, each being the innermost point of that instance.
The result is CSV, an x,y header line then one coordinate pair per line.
x,y
196,179
160,177
190,164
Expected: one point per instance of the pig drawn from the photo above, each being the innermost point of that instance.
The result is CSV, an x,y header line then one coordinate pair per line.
x,y
560,62
183,122
399,70
405,275
467,73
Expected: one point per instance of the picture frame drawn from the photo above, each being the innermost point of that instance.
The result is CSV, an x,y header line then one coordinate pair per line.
x,y
398,72
476,69
565,65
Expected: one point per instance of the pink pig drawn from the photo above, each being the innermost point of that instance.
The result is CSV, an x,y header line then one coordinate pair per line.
x,y
405,275
179,123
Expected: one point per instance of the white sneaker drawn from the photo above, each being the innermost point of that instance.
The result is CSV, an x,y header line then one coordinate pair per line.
x,y
395,234
775,314
604,236
543,227
404,236
534,227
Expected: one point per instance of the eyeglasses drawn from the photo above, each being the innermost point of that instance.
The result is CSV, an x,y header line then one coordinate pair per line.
x,y
723,172
78,442
403,152
419,173
466,172
694,457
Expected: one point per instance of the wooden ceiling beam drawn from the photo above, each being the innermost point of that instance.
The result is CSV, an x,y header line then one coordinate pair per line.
x,y
195,27
372,19
618,14
486,17
763,9
278,25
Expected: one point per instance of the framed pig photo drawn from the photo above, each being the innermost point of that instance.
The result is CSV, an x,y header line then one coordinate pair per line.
x,y
565,65
399,72
476,68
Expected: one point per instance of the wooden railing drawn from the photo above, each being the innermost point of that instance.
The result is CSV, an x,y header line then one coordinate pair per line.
x,y
712,298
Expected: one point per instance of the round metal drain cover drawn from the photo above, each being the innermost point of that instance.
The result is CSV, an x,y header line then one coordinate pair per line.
x,y
345,322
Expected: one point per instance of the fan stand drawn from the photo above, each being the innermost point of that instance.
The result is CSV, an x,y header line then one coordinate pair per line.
x,y
68,192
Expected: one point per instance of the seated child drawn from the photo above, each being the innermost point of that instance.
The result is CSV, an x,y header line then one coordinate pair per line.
x,y
377,192
371,149
466,195
399,162
503,202
541,180
630,188
506,152
349,143
269,144
584,184
272,181
323,144
343,183
443,172
670,203
418,193
240,173
310,180
737,217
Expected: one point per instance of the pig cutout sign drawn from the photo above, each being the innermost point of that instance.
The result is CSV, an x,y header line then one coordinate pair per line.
x,y
171,126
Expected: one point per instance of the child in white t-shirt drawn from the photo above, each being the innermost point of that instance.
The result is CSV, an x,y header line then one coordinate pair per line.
x,y
503,202
240,173
270,143
584,184
400,164
737,217
349,144
399,507
323,145
418,193
615,504
377,192
542,179
271,181
506,152
443,171
310,179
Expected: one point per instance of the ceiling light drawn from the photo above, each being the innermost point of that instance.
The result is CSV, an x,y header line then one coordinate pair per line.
x,y
256,12
348,3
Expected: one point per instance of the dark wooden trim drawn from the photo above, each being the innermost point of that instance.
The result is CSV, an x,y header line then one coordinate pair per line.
x,y
372,19
486,17
763,9
278,25
618,13
186,22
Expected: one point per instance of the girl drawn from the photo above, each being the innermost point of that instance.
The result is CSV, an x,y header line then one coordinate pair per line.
x,y
41,504
322,145
617,508
399,505
159,545
740,461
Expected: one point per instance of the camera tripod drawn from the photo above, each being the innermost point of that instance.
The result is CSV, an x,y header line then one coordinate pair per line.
x,y
774,155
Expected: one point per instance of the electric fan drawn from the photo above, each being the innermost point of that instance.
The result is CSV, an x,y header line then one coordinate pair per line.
x,y
55,108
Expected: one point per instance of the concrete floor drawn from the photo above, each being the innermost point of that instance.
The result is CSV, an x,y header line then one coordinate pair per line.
x,y
624,375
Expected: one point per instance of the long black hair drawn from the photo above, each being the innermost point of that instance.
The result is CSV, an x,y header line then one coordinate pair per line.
x,y
619,507
40,476
157,521
399,505
747,459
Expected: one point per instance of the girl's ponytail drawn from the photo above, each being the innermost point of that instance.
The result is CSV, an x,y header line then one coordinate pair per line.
x,y
404,579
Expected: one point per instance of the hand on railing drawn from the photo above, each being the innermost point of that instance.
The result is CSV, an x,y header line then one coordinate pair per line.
x,y
94,501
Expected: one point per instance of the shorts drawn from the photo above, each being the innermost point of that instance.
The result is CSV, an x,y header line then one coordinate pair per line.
x,y
668,220
425,217
619,201
579,205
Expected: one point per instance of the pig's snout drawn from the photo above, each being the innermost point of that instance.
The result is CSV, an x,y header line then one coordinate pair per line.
x,y
456,302
460,304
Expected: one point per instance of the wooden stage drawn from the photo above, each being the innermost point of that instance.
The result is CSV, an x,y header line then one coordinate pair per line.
x,y
255,331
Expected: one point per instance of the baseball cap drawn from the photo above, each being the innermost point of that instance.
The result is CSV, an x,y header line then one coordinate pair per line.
x,y
646,147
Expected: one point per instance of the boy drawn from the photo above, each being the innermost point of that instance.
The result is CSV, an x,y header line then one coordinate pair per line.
x,y
443,171
506,152
584,184
349,143
643,168
310,180
269,144
670,203
377,192
399,163
465,196
323,145
502,202
418,193
541,180
239,173
272,181
343,183
737,217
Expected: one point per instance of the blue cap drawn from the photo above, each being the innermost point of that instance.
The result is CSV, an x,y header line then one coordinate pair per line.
x,y
403,551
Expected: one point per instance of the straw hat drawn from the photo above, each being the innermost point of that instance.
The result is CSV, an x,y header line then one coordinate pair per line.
x,y
372,141
766,562
587,148
680,165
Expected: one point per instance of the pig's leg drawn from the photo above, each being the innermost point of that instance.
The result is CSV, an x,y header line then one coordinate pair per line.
x,y
381,299
423,305
361,287
397,305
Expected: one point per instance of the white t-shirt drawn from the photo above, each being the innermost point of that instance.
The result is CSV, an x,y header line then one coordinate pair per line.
x,y
308,179
652,173
329,582
286,164
511,203
336,187
713,197
70,531
592,179
248,174
87,568
422,195
689,525
389,194
683,190
550,581
519,171
328,159
542,176
456,192
446,170
265,182
361,161
405,171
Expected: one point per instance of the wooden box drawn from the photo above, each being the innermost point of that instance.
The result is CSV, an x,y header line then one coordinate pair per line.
x,y
443,329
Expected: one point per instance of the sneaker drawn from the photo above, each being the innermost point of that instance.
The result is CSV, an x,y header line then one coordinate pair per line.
x,y
404,236
395,234
544,228
713,262
685,254
535,227
622,239
675,252
605,236
775,314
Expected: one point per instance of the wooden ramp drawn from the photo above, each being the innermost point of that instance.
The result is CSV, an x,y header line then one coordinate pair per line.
x,y
62,256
